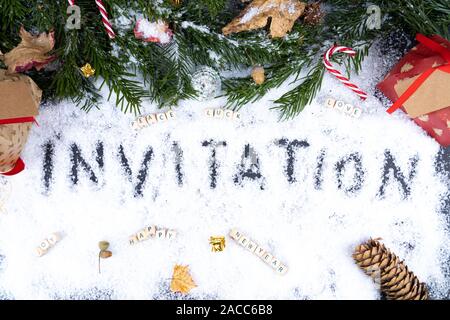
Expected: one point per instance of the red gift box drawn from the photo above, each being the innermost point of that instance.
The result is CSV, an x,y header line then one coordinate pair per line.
x,y
420,85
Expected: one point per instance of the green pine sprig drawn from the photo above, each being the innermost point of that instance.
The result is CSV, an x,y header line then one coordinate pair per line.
x,y
132,71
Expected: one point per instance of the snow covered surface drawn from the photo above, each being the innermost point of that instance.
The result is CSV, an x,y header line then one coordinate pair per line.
x,y
311,229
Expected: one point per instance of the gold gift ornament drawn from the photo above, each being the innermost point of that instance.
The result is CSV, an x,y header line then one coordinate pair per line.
x,y
217,243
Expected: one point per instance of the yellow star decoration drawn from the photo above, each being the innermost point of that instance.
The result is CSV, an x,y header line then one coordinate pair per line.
x,y
87,70
217,243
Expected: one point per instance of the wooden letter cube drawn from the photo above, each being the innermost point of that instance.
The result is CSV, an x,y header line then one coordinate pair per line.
x,y
330,102
282,269
356,112
135,125
267,258
132,240
229,114
161,233
171,234
260,252
209,112
39,252
142,235
151,118
348,109
142,121
218,113
45,245
170,115
53,238
251,246
340,105
234,234
236,116
151,231
161,117
275,263
243,241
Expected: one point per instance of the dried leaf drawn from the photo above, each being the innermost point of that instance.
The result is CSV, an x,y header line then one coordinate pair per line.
x,y
31,52
104,254
181,280
284,13
313,14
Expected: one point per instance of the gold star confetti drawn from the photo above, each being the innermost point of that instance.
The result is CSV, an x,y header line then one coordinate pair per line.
x,y
87,70
217,243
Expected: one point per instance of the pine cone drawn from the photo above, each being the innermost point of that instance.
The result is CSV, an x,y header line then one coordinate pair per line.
x,y
313,14
397,283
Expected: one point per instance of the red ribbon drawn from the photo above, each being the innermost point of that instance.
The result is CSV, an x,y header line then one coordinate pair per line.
x,y
17,120
436,47
18,167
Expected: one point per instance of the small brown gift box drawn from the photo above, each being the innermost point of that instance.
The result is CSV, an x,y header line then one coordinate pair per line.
x,y
19,103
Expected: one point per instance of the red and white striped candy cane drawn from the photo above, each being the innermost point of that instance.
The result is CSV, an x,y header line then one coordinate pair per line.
x,y
105,20
104,15
337,74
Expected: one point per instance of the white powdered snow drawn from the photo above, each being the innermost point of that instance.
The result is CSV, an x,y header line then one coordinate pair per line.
x,y
189,24
312,231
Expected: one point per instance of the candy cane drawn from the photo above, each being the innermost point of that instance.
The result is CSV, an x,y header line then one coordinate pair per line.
x,y
337,74
104,15
105,20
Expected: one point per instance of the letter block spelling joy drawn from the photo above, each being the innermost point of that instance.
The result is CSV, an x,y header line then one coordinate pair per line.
x,y
48,243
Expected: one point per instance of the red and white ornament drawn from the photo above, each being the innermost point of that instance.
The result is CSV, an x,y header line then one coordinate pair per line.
x,y
337,73
158,31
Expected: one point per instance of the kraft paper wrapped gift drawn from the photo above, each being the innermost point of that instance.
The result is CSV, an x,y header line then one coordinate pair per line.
x,y
419,84
19,103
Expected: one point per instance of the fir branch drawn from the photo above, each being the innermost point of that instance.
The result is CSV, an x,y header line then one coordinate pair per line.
x,y
12,14
214,7
428,17
172,81
293,102
241,91
232,52
166,69
68,82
